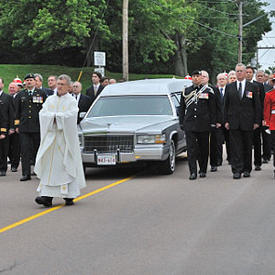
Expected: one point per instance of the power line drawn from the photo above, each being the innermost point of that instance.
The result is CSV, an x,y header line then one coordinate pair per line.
x,y
93,40
212,29
216,2
223,12
203,25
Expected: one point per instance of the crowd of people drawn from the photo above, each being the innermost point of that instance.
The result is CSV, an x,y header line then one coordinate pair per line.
x,y
19,114
237,111
24,129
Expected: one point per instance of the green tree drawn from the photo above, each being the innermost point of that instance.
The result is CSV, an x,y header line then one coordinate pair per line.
x,y
52,25
218,32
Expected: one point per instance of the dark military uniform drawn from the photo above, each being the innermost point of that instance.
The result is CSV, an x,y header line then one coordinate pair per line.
x,y
215,158
6,119
197,115
28,104
14,144
257,132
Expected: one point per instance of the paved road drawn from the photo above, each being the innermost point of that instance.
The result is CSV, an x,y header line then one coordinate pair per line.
x,y
150,224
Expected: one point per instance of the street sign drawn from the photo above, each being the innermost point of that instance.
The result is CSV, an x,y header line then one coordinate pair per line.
x,y
99,58
100,70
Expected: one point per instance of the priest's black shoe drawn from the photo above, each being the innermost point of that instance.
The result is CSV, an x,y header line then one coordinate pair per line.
x,y
246,174
236,176
202,175
193,176
258,168
214,169
46,201
2,173
69,201
265,161
24,178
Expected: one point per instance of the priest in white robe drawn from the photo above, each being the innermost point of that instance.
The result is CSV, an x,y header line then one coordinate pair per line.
x,y
58,162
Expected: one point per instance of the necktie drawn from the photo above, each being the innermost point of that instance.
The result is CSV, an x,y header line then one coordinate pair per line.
x,y
95,88
240,90
221,89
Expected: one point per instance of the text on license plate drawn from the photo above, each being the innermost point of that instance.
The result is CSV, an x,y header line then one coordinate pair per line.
x,y
106,160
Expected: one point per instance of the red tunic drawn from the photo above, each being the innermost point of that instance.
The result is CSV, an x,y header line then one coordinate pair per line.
x,y
269,109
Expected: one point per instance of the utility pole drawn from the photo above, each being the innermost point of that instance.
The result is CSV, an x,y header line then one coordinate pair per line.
x,y
240,52
125,59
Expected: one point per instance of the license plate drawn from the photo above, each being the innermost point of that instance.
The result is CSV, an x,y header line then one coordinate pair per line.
x,y
106,160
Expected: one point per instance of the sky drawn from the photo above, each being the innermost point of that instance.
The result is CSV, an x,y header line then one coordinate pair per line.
x,y
267,57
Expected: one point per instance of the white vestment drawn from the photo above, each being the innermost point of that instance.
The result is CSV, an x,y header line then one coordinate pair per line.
x,y
58,161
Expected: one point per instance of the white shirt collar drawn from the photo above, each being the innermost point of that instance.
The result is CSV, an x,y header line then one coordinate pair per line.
x,y
32,89
1,92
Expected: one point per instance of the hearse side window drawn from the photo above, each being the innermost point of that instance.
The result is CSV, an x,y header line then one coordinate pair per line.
x,y
132,105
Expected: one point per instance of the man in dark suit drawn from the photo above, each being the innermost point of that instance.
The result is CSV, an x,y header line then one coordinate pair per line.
x,y
28,103
222,132
84,102
52,83
197,116
260,77
39,83
214,160
6,120
242,115
96,88
14,142
257,132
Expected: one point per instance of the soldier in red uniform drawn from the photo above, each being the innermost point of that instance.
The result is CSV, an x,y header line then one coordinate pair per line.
x,y
269,116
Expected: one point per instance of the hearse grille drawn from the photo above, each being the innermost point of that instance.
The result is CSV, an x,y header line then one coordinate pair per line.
x,y
108,144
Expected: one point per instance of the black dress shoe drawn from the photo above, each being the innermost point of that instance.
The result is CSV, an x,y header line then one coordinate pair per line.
x,y
24,178
236,176
265,161
258,168
246,174
2,173
213,169
14,169
193,176
202,175
46,201
69,201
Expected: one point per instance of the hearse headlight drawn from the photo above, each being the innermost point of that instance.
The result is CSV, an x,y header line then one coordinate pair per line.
x,y
151,139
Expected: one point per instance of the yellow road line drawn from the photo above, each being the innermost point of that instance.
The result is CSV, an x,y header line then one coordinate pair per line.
x,y
11,226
